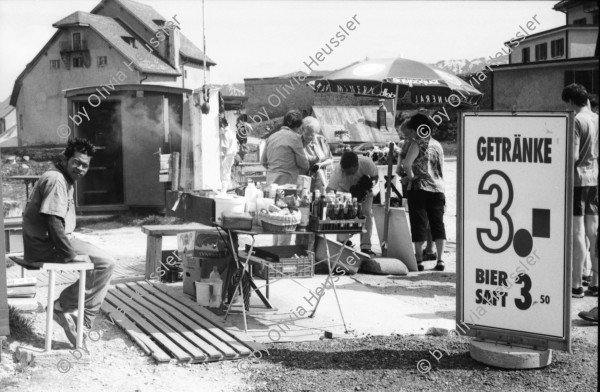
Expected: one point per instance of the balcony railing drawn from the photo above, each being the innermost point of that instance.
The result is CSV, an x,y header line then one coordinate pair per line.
x,y
76,46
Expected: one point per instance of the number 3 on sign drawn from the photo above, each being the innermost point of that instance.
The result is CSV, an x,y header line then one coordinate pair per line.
x,y
495,180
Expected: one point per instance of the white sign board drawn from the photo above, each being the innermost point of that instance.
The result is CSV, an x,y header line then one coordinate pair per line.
x,y
515,208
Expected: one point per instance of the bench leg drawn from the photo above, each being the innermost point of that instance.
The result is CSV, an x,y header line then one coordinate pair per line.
x,y
80,307
50,311
153,255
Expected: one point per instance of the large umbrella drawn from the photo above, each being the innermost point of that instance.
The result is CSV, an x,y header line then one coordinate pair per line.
x,y
408,80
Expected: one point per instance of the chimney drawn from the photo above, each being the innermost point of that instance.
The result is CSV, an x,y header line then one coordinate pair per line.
x,y
173,45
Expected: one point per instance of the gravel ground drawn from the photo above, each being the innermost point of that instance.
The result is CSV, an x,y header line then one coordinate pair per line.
x,y
372,363
390,364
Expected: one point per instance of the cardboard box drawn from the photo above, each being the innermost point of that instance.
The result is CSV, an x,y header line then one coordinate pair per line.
x,y
202,243
198,268
191,273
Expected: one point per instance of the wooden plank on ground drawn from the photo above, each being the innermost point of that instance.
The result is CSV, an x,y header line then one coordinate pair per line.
x,y
143,340
21,292
236,333
161,333
24,304
194,345
211,333
18,282
206,341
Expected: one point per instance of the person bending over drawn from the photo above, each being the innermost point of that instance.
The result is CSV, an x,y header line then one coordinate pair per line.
x,y
353,171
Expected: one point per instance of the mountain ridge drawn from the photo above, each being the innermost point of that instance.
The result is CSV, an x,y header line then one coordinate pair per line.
x,y
464,66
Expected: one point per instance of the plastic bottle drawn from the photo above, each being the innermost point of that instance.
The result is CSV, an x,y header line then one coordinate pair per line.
x,y
251,194
216,286
214,274
316,204
359,213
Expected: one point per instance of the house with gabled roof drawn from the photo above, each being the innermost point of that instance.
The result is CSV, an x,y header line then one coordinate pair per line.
x,y
8,124
119,76
542,64
120,41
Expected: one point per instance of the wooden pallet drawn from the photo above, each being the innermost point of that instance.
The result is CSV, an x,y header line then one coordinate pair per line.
x,y
170,326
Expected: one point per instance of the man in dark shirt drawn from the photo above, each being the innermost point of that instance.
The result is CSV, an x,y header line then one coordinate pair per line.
x,y
48,225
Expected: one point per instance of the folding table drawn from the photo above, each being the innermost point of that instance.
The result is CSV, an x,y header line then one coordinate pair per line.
x,y
244,265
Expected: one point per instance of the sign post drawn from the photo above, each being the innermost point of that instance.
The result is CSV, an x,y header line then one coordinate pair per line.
x,y
514,234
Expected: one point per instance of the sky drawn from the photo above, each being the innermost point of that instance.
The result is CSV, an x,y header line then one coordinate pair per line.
x,y
252,39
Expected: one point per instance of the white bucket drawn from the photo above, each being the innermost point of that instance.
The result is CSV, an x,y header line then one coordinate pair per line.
x,y
202,293
228,203
208,293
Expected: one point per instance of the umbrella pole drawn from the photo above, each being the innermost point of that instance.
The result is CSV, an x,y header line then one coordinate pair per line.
x,y
388,192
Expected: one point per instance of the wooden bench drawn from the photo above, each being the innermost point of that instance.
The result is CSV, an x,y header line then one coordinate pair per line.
x,y
82,264
155,234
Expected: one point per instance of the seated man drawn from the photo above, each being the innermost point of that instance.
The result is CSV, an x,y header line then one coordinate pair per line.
x,y
351,171
48,224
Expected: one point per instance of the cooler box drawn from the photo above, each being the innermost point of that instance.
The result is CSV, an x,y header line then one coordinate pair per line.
x,y
350,259
190,207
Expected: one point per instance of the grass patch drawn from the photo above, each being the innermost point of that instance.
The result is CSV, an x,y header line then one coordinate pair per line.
x,y
21,326
132,219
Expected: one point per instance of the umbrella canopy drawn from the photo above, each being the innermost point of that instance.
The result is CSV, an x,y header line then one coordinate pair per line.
x,y
408,80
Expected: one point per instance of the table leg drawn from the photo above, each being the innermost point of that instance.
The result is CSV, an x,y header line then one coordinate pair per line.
x,y
80,307
153,255
267,279
260,295
330,278
244,265
237,263
50,310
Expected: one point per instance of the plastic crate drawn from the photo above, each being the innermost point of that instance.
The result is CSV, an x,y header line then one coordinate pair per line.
x,y
286,266
335,225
